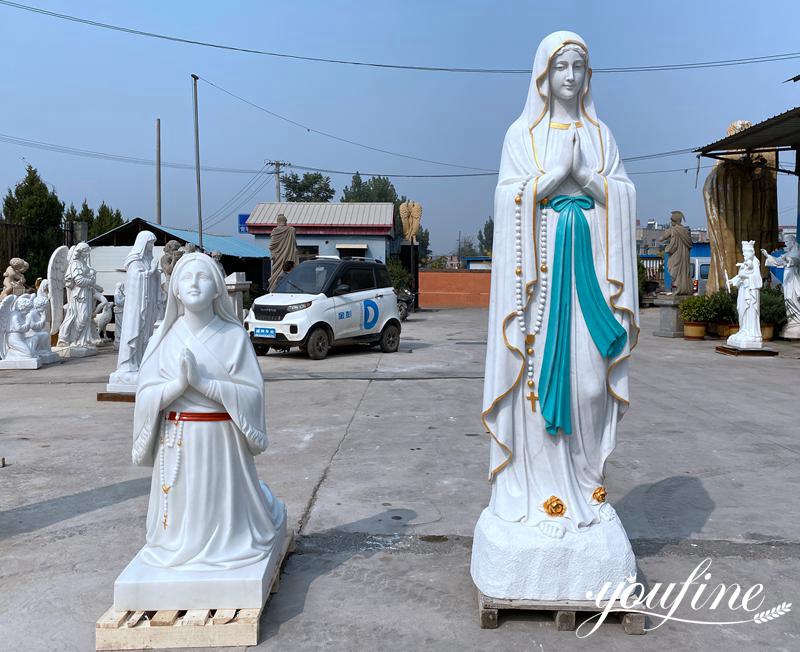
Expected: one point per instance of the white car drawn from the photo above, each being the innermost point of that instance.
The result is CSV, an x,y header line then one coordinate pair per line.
x,y
324,302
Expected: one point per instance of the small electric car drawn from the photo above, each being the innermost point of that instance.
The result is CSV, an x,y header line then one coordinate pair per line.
x,y
325,302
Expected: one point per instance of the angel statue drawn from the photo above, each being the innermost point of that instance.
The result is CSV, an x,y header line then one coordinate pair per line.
x,y
199,420
563,319
410,217
77,328
17,346
55,288
14,278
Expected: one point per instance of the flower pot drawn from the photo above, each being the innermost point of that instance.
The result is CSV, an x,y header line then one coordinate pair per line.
x,y
712,328
726,330
767,332
694,330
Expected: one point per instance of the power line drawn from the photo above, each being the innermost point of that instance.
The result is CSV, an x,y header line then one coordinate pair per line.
x,y
333,136
243,202
243,189
496,71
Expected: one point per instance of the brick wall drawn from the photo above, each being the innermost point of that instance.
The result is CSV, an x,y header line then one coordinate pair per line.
x,y
456,288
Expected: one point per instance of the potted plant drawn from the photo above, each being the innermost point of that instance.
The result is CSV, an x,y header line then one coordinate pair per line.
x,y
773,312
722,313
694,312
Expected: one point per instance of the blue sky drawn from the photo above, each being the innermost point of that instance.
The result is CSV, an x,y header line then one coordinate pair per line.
x,y
78,86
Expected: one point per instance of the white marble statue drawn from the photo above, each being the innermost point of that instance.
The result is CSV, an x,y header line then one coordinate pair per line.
x,y
214,532
563,319
55,287
77,330
119,311
24,340
39,326
102,318
749,282
790,261
142,294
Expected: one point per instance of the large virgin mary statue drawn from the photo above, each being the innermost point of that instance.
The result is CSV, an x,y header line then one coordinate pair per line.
x,y
562,322
213,530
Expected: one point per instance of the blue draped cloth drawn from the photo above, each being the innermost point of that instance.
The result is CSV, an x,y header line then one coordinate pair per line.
x,y
573,252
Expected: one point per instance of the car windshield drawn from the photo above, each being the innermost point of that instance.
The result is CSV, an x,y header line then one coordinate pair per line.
x,y
309,277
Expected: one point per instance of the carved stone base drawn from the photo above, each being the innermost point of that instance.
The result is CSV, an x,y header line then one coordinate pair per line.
x,y
791,331
141,587
75,351
49,358
25,363
519,562
670,323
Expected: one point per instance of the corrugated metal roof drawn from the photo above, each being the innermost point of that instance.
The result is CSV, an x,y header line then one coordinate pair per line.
x,y
339,214
227,245
782,130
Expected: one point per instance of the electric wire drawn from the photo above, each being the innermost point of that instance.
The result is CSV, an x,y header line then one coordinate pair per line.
x,y
242,190
371,64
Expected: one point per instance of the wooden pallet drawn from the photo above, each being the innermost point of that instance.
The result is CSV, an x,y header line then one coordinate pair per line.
x,y
724,349
563,612
116,397
147,630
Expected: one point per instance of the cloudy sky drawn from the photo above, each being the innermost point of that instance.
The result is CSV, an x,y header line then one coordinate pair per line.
x,y
78,86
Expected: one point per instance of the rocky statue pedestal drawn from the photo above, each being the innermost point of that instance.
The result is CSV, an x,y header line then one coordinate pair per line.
x,y
67,352
514,561
670,323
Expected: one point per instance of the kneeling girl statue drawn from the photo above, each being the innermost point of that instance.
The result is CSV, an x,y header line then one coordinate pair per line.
x,y
562,322
199,420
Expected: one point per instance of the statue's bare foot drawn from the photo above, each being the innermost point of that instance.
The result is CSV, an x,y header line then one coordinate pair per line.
x,y
552,529
607,512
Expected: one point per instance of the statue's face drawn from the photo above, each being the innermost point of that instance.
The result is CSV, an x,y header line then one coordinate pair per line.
x,y
148,247
567,74
196,289
749,254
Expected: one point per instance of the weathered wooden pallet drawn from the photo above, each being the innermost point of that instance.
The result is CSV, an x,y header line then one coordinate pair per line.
x,y
724,349
147,630
563,612
116,397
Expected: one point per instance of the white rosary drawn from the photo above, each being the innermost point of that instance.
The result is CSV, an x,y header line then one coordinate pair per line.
x,y
537,324
170,441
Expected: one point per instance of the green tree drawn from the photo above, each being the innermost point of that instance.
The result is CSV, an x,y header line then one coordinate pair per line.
x,y
71,214
485,236
86,214
467,248
374,189
33,205
105,220
424,241
311,187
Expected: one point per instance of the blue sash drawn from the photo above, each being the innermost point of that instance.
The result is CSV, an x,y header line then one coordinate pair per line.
x,y
572,240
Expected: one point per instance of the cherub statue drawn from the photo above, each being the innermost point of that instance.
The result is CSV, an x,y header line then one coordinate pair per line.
x,y
749,282
14,278
39,323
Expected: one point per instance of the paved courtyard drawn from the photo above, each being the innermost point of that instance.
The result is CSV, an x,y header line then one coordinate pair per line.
x,y
382,462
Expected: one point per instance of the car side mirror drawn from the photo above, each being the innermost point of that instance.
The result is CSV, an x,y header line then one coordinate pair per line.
x,y
342,288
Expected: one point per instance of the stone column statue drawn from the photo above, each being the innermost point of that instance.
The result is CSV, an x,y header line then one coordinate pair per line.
x,y
142,287
213,530
741,200
749,282
679,248
14,278
563,319
790,261
282,249
76,331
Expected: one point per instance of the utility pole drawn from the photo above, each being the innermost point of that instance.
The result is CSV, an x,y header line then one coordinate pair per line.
x,y
458,251
197,164
276,165
158,170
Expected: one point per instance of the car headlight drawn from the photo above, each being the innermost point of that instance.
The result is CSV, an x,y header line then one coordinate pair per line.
x,y
298,306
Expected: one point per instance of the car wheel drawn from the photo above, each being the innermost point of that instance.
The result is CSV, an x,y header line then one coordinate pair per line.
x,y
390,338
318,344
261,349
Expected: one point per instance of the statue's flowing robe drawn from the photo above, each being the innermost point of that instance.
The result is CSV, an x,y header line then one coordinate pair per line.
x,y
76,329
740,205
142,291
220,515
282,247
679,248
528,464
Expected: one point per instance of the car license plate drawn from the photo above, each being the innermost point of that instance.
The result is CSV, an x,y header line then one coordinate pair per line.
x,y
265,332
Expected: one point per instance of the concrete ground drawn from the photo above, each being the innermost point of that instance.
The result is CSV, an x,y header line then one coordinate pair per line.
x,y
382,462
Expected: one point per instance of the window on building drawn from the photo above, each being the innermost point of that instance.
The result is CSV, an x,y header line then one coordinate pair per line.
x,y
304,252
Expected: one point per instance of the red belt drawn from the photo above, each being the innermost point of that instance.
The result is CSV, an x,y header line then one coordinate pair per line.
x,y
198,416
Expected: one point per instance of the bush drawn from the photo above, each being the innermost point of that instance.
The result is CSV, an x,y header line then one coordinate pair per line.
x,y
401,278
722,308
773,307
695,309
